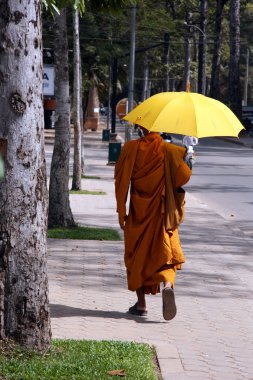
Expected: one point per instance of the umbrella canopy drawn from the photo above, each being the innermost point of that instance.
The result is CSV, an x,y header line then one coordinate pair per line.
x,y
185,113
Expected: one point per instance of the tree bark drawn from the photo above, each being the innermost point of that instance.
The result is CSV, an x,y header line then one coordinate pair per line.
x,y
60,214
77,168
202,49
166,60
187,56
215,83
246,80
235,97
82,119
146,78
149,88
24,305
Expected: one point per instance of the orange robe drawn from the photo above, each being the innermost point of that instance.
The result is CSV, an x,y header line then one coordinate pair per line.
x,y
154,171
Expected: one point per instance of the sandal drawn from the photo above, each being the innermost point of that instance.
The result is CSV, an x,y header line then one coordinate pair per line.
x,y
133,310
169,304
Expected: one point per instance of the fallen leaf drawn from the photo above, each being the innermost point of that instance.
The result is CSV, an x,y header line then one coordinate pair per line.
x,y
117,372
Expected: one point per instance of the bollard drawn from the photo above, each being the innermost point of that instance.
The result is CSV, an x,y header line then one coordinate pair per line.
x,y
114,152
106,135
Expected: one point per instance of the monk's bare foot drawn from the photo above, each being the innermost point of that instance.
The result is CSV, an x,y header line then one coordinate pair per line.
x,y
168,285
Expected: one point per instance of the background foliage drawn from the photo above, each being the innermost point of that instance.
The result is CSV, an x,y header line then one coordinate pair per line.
x,y
105,34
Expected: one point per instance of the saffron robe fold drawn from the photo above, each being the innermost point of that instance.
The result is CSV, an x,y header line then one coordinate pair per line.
x,y
156,171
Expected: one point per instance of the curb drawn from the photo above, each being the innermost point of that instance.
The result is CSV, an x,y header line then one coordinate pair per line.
x,y
237,141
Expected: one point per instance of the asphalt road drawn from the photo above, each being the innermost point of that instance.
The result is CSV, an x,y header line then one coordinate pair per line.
x,y
223,180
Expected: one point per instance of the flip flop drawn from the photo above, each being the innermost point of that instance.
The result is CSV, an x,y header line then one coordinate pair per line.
x,y
134,311
169,304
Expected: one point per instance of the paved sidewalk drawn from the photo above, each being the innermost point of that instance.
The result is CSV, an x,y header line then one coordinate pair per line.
x,y
212,335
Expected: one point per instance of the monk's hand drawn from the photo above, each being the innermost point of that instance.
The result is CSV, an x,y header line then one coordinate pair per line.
x,y
122,221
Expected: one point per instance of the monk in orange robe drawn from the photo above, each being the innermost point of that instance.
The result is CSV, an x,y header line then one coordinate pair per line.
x,y
154,171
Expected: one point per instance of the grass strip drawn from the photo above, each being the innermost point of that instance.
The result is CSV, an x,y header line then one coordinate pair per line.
x,y
91,192
79,360
84,233
90,177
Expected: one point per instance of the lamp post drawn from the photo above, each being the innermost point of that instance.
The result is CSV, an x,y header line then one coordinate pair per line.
x,y
201,58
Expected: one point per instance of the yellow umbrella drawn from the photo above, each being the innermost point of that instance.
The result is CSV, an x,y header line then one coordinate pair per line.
x,y
185,113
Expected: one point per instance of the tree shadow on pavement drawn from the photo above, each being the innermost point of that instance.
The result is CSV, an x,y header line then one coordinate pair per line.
x,y
63,311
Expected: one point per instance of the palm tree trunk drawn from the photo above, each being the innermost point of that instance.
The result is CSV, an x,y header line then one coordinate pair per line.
x,y
235,97
82,120
246,80
166,58
187,57
59,207
77,168
146,78
24,305
214,84
202,48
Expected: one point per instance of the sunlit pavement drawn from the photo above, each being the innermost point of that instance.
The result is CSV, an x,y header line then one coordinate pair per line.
x,y
211,336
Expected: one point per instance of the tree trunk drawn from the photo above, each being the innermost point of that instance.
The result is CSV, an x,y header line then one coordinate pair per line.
x,y
82,119
246,80
114,94
24,305
187,57
59,207
235,97
77,168
202,49
166,61
149,88
146,78
214,84
109,94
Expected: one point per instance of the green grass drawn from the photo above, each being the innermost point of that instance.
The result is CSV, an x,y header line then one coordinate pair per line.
x,y
78,360
84,233
90,177
92,192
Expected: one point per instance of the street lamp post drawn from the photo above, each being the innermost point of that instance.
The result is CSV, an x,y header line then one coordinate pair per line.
x,y
201,58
